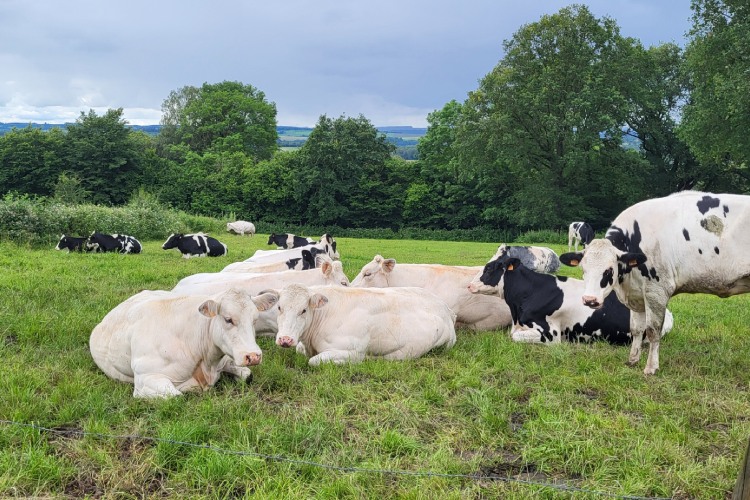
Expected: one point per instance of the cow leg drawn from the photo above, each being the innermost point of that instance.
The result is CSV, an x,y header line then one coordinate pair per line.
x,y
336,356
654,320
226,365
153,386
637,329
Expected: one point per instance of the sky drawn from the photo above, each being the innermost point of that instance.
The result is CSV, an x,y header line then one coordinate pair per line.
x,y
392,61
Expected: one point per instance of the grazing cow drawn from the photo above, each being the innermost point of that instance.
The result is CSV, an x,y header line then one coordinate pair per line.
x,y
165,344
328,272
688,242
476,312
195,245
547,308
540,259
100,242
287,241
128,244
331,241
71,243
580,232
340,325
241,227
305,261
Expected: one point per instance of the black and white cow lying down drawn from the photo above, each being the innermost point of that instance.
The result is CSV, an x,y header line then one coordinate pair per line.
x,y
688,242
119,243
72,243
547,308
195,245
287,240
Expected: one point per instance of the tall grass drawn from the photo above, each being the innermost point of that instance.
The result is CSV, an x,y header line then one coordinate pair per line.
x,y
566,415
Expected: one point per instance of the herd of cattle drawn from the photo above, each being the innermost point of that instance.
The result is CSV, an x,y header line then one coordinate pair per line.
x,y
167,342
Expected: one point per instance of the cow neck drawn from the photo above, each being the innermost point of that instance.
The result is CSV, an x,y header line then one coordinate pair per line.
x,y
210,354
310,334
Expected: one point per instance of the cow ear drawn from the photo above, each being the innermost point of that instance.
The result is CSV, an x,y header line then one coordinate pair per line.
x,y
325,266
266,299
632,259
388,265
318,300
209,308
512,264
571,259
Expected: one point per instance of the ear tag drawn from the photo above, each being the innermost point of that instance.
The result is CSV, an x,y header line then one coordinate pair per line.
x,y
510,267
632,263
574,262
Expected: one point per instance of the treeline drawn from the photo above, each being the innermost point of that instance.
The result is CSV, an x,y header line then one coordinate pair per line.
x,y
575,122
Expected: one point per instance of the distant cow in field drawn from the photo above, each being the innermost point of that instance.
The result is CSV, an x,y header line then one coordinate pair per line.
x,y
287,241
71,243
195,245
128,244
580,232
241,227
688,242
306,261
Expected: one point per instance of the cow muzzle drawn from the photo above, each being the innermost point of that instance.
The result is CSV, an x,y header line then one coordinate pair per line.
x,y
591,301
252,359
286,341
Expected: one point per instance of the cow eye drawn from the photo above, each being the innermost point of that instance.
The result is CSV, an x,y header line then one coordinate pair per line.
x,y
303,312
368,274
229,321
279,309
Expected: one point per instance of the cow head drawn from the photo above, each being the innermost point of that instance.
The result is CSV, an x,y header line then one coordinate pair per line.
x,y
172,241
333,270
489,281
271,238
375,273
603,267
297,304
233,314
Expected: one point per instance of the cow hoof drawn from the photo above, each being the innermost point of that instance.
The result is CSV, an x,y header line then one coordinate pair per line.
x,y
249,378
631,363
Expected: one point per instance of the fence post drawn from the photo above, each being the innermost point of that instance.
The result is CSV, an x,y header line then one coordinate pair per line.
x,y
742,486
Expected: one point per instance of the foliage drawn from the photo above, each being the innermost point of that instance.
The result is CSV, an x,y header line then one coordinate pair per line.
x,y
226,117
717,114
31,160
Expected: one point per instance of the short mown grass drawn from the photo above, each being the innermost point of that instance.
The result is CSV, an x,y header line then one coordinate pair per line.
x,y
570,415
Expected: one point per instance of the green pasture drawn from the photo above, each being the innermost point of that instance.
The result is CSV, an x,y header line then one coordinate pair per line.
x,y
486,419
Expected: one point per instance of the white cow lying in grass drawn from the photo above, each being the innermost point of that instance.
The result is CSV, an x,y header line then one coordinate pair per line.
x,y
449,283
328,273
340,325
165,343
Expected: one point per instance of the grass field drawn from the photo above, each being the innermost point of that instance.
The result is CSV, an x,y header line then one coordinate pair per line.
x,y
486,419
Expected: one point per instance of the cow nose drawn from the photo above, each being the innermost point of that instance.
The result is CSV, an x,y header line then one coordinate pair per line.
x,y
253,358
590,302
285,341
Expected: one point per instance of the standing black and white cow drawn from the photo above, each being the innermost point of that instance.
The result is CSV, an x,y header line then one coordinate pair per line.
x,y
195,245
71,243
547,308
286,240
128,244
580,232
688,242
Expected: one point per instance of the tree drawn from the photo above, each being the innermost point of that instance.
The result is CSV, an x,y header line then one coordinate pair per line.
x,y
544,128
103,154
227,117
342,160
717,115
31,160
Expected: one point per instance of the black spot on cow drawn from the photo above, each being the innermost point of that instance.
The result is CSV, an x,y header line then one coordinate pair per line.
x,y
608,278
726,210
610,323
700,251
627,242
707,203
716,249
686,234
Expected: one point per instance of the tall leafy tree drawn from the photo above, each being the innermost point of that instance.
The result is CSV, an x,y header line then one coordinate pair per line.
x,y
341,161
549,118
31,160
226,116
103,153
717,115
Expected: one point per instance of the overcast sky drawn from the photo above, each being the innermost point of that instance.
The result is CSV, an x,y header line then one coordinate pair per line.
x,y
393,61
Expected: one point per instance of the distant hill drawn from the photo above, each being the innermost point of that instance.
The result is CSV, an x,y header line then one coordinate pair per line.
x,y
404,137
